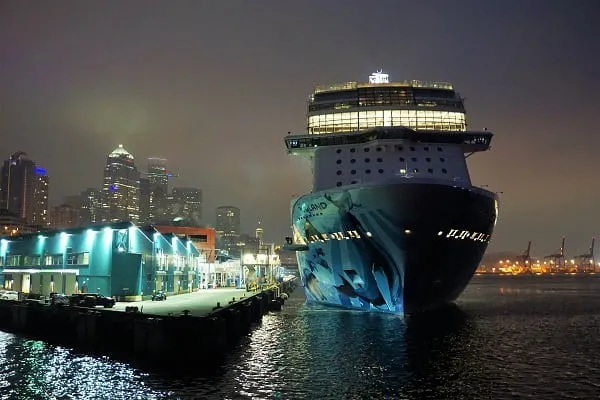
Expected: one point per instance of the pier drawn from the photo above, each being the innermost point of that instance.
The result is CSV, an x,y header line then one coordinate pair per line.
x,y
196,326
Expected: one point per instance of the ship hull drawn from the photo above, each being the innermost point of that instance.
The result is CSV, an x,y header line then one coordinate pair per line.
x,y
396,248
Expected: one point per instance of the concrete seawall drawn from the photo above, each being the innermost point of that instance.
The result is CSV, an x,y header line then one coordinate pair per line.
x,y
143,338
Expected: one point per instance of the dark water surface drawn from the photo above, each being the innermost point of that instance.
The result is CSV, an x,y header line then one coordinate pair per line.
x,y
508,337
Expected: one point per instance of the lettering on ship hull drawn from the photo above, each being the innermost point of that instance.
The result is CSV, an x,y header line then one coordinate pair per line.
x,y
312,207
465,234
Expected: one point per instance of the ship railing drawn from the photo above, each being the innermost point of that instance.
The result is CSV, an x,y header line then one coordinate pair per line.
x,y
354,85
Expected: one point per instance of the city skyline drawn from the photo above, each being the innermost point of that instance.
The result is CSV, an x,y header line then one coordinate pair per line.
x,y
86,77
175,198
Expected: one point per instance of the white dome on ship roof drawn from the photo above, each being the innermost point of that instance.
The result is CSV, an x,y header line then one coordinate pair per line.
x,y
120,151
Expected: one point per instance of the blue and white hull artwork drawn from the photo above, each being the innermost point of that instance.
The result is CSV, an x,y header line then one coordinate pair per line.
x,y
394,248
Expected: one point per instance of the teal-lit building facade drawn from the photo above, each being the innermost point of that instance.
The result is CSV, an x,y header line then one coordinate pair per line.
x,y
120,259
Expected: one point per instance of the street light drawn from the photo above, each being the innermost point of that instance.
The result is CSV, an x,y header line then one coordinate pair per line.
x,y
242,280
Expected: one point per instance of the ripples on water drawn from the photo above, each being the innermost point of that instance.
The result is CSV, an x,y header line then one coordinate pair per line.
x,y
508,337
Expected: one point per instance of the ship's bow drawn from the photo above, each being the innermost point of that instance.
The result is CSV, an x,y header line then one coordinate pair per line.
x,y
395,248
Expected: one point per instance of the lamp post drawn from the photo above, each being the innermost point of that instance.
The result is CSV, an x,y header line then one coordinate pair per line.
x,y
208,276
153,275
8,186
241,268
269,266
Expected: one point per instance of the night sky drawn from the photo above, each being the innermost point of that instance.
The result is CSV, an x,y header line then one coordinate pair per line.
x,y
214,86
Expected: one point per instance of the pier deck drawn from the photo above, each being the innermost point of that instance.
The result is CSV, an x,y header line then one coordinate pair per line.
x,y
200,303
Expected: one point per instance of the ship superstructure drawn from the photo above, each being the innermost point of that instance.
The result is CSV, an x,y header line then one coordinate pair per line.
x,y
393,222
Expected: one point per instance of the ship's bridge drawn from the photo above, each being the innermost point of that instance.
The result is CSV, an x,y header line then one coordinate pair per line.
x,y
354,106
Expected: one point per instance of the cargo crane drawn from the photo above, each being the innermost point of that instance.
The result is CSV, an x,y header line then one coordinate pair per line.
x,y
557,260
588,263
525,258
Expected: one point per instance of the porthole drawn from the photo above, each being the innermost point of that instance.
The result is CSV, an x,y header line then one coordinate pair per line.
x,y
367,149
426,148
367,160
442,159
428,159
399,148
352,161
401,159
338,151
430,170
339,184
444,170
353,172
415,170
380,160
354,182
414,159
412,148
352,150
380,171
439,149
338,162
379,149
339,172
367,171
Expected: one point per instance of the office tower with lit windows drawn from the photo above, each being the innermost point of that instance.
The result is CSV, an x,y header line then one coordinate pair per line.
x,y
227,227
228,220
158,188
40,199
260,233
145,201
157,173
121,187
24,189
186,204
90,206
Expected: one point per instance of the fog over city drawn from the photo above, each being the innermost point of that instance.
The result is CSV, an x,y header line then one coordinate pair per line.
x,y
216,99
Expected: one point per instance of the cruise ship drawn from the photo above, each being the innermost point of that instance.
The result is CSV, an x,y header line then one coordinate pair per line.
x,y
392,222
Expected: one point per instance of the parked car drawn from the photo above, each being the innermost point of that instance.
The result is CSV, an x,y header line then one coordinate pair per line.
x,y
9,295
105,301
59,299
91,300
158,296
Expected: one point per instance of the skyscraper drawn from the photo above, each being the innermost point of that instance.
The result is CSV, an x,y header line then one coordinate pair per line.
x,y
40,199
186,203
24,189
121,188
228,228
91,210
259,233
158,188
64,216
157,173
145,197
228,220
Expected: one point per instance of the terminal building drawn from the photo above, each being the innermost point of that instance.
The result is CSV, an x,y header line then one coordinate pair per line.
x,y
118,259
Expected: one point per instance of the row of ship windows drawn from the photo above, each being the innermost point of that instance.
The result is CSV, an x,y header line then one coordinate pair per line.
x,y
381,171
396,148
360,120
401,159
321,130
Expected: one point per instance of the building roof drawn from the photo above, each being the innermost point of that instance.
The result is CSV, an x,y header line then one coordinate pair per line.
x,y
7,217
120,152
